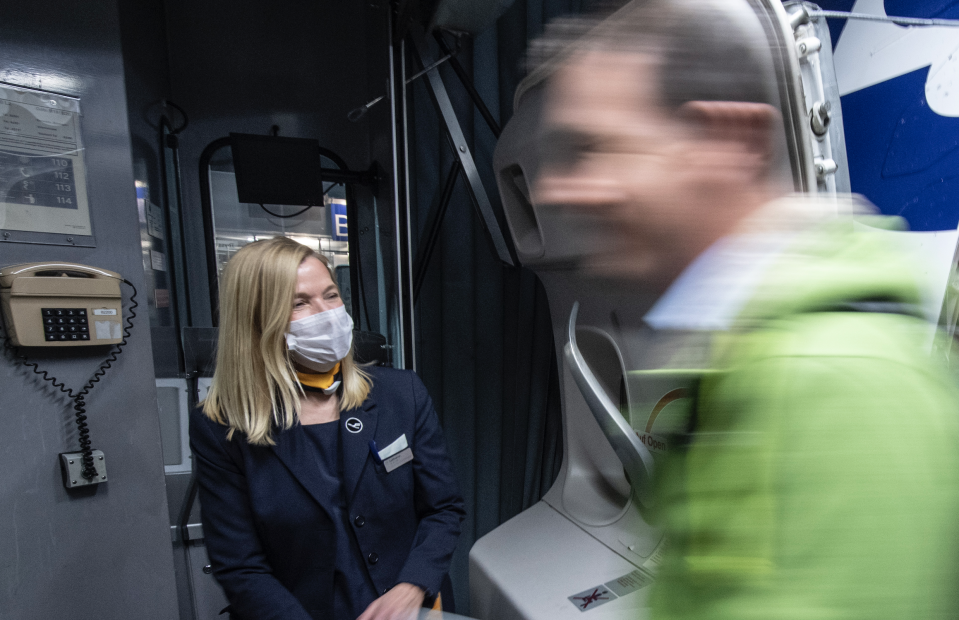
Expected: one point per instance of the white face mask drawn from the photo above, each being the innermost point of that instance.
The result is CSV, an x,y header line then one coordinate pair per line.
x,y
321,340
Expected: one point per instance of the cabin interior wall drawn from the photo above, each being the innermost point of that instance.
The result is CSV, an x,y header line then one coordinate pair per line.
x,y
484,336
101,551
243,67
246,66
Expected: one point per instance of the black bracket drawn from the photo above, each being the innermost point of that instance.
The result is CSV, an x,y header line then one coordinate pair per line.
x,y
454,133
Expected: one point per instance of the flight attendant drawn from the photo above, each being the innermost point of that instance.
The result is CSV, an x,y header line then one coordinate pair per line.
x,y
326,488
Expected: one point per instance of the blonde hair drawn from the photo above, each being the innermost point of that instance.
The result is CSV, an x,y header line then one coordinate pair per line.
x,y
254,386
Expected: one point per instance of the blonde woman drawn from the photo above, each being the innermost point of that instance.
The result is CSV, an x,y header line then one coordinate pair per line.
x,y
326,489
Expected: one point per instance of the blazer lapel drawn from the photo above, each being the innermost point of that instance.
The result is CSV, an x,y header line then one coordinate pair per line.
x,y
293,449
357,428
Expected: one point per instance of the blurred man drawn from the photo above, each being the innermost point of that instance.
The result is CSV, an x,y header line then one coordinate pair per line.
x,y
821,473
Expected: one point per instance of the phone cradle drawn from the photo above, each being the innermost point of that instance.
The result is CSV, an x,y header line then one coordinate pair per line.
x,y
71,467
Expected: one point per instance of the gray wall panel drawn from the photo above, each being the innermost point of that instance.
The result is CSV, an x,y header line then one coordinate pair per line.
x,y
101,552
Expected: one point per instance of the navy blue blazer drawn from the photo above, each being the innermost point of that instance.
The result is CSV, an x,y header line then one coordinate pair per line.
x,y
272,544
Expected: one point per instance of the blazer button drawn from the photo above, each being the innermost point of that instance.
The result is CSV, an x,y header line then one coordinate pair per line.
x,y
359,521
373,558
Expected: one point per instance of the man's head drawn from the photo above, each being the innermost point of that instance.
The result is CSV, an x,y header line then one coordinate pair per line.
x,y
661,123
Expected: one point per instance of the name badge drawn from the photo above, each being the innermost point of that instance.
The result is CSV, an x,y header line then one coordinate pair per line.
x,y
396,454
398,459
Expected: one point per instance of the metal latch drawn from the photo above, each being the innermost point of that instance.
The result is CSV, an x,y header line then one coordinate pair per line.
x,y
825,167
819,118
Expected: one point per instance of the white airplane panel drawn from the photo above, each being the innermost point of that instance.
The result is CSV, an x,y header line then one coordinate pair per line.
x,y
566,561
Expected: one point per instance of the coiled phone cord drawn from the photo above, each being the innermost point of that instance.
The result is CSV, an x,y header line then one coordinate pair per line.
x,y
88,470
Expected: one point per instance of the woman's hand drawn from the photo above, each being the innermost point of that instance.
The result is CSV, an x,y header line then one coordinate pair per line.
x,y
401,602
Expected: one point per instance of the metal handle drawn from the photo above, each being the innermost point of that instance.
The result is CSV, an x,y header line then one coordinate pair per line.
x,y
636,459
29,269
358,113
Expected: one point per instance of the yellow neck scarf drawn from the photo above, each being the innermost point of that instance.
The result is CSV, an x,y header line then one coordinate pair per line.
x,y
320,380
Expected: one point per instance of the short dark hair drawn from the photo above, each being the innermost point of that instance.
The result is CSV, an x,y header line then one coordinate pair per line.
x,y
704,52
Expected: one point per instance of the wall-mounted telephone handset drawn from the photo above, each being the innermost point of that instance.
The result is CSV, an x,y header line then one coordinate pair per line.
x,y
56,304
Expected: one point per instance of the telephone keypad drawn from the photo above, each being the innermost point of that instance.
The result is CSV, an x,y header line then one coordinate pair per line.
x,y
65,324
